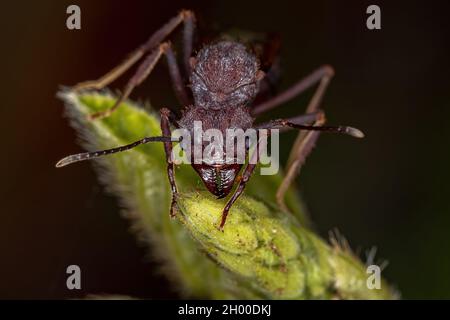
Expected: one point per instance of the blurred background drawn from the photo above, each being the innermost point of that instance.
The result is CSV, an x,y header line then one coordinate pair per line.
x,y
390,190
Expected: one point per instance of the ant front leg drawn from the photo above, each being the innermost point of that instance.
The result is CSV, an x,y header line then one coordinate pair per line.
x,y
249,169
165,128
245,177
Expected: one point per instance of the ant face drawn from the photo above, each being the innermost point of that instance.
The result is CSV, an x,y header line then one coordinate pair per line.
x,y
224,74
218,179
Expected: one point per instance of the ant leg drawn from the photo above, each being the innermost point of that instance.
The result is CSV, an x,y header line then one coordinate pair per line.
x,y
142,73
305,142
304,148
303,145
152,42
165,128
188,42
312,106
248,171
299,152
242,183
270,65
178,84
323,74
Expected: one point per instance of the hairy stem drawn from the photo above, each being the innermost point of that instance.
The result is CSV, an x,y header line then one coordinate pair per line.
x,y
263,253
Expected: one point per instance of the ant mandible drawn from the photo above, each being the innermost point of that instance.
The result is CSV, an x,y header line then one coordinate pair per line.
x,y
224,77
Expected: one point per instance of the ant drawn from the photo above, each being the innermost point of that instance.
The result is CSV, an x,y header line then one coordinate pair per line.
x,y
224,78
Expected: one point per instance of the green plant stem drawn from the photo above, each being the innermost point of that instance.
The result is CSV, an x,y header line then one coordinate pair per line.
x,y
263,253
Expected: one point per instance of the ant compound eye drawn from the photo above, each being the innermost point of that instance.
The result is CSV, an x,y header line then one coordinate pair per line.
x,y
185,144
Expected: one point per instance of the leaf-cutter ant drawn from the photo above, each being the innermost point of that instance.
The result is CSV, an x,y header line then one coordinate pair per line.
x,y
224,77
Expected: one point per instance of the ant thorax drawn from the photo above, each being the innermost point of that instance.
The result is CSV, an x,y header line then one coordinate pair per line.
x,y
224,75
221,119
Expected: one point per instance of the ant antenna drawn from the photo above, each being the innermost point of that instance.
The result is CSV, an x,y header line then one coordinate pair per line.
x,y
338,129
95,154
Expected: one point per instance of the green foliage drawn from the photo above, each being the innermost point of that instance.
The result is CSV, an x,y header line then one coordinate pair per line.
x,y
262,253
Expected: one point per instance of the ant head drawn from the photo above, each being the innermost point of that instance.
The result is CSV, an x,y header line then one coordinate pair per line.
x,y
224,74
219,180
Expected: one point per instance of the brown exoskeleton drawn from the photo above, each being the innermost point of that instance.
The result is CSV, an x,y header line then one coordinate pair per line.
x,y
224,78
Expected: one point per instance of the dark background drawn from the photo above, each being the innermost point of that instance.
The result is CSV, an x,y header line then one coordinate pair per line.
x,y
391,189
